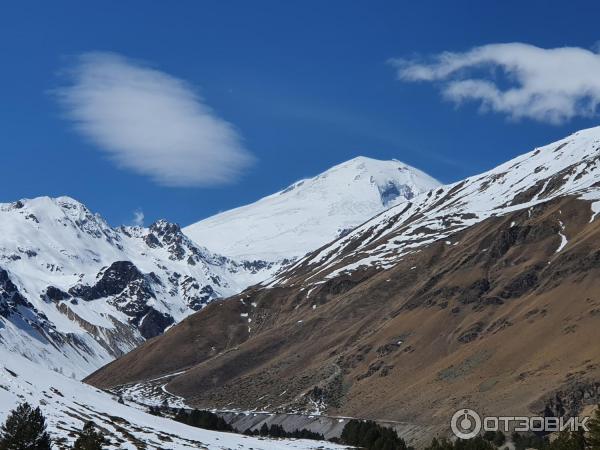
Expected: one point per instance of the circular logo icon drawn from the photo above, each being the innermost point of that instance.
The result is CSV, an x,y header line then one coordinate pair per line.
x,y
465,424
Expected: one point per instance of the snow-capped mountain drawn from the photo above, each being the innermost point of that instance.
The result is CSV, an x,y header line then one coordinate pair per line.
x,y
311,212
483,292
570,166
75,293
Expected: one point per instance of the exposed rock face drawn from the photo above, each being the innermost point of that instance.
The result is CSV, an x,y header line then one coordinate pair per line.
x,y
571,399
169,235
130,293
257,266
55,294
113,281
153,323
10,297
197,296
15,308
391,191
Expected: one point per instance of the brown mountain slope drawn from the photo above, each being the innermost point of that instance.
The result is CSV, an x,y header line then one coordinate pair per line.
x,y
491,317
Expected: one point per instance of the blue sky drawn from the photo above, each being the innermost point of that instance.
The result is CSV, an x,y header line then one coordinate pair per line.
x,y
296,86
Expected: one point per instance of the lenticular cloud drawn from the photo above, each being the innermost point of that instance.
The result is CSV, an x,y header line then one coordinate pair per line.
x,y
151,123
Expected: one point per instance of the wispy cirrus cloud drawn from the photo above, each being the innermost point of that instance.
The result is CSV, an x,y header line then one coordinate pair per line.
x,y
516,79
151,123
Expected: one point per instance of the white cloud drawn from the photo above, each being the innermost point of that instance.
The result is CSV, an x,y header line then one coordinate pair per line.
x,y
519,80
138,218
151,122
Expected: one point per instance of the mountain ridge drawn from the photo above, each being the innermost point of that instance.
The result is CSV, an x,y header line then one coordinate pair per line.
x,y
465,202
403,316
311,211
77,292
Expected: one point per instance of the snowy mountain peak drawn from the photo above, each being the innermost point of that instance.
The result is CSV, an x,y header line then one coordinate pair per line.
x,y
55,216
568,167
49,204
311,212
393,179
92,292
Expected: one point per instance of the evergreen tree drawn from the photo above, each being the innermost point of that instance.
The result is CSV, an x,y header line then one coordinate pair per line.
x,y
594,435
277,431
181,416
441,444
264,430
477,443
529,440
89,439
25,429
372,436
155,411
496,437
202,419
567,440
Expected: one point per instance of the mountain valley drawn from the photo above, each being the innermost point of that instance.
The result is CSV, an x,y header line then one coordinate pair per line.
x,y
480,293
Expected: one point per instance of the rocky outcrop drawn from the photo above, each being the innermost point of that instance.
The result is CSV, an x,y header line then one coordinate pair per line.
x,y
14,307
54,294
153,323
570,400
130,291
10,297
169,235
113,280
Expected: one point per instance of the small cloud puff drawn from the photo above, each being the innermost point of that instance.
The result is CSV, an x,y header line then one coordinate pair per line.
x,y
138,218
